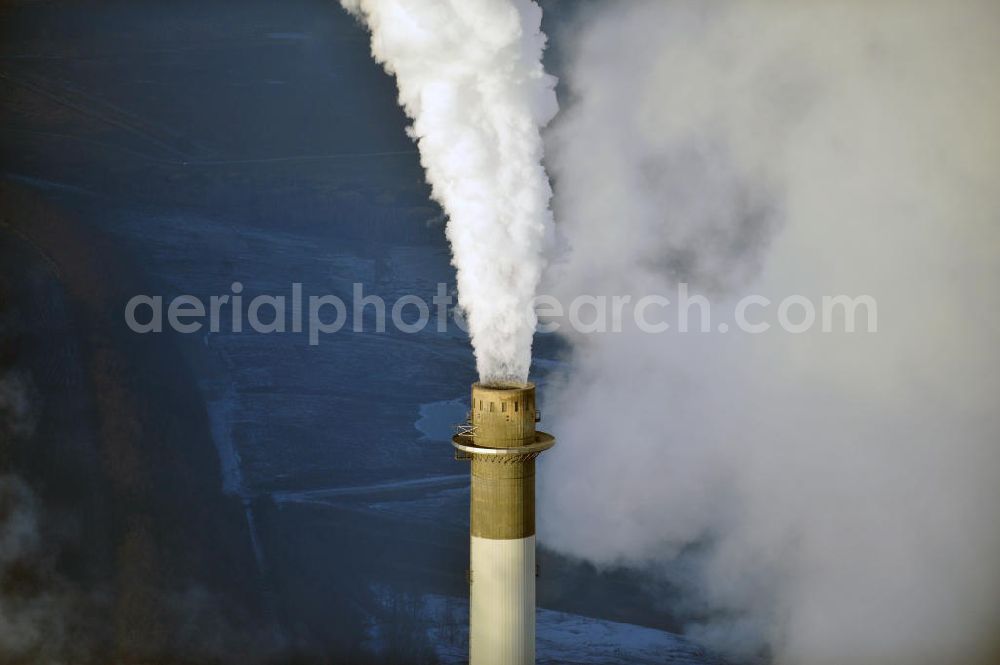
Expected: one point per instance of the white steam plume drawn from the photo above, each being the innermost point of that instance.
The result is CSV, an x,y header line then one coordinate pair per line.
x,y
825,498
470,76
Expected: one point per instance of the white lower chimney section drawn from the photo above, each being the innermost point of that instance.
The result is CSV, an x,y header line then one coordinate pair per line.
x,y
502,602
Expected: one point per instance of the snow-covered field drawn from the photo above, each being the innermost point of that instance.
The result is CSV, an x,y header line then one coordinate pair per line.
x,y
441,631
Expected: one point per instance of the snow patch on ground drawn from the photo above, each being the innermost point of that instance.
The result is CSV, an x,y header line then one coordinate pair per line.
x,y
437,626
220,414
438,419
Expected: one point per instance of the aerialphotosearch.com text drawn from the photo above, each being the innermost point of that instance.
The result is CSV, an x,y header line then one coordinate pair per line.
x,y
318,315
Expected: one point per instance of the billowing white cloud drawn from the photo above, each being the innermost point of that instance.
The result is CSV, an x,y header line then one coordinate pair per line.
x,y
822,497
470,76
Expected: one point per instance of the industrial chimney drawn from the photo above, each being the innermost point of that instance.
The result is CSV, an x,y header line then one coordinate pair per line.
x,y
502,444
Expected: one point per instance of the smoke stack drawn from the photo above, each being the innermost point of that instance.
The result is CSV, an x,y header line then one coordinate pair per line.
x,y
501,442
